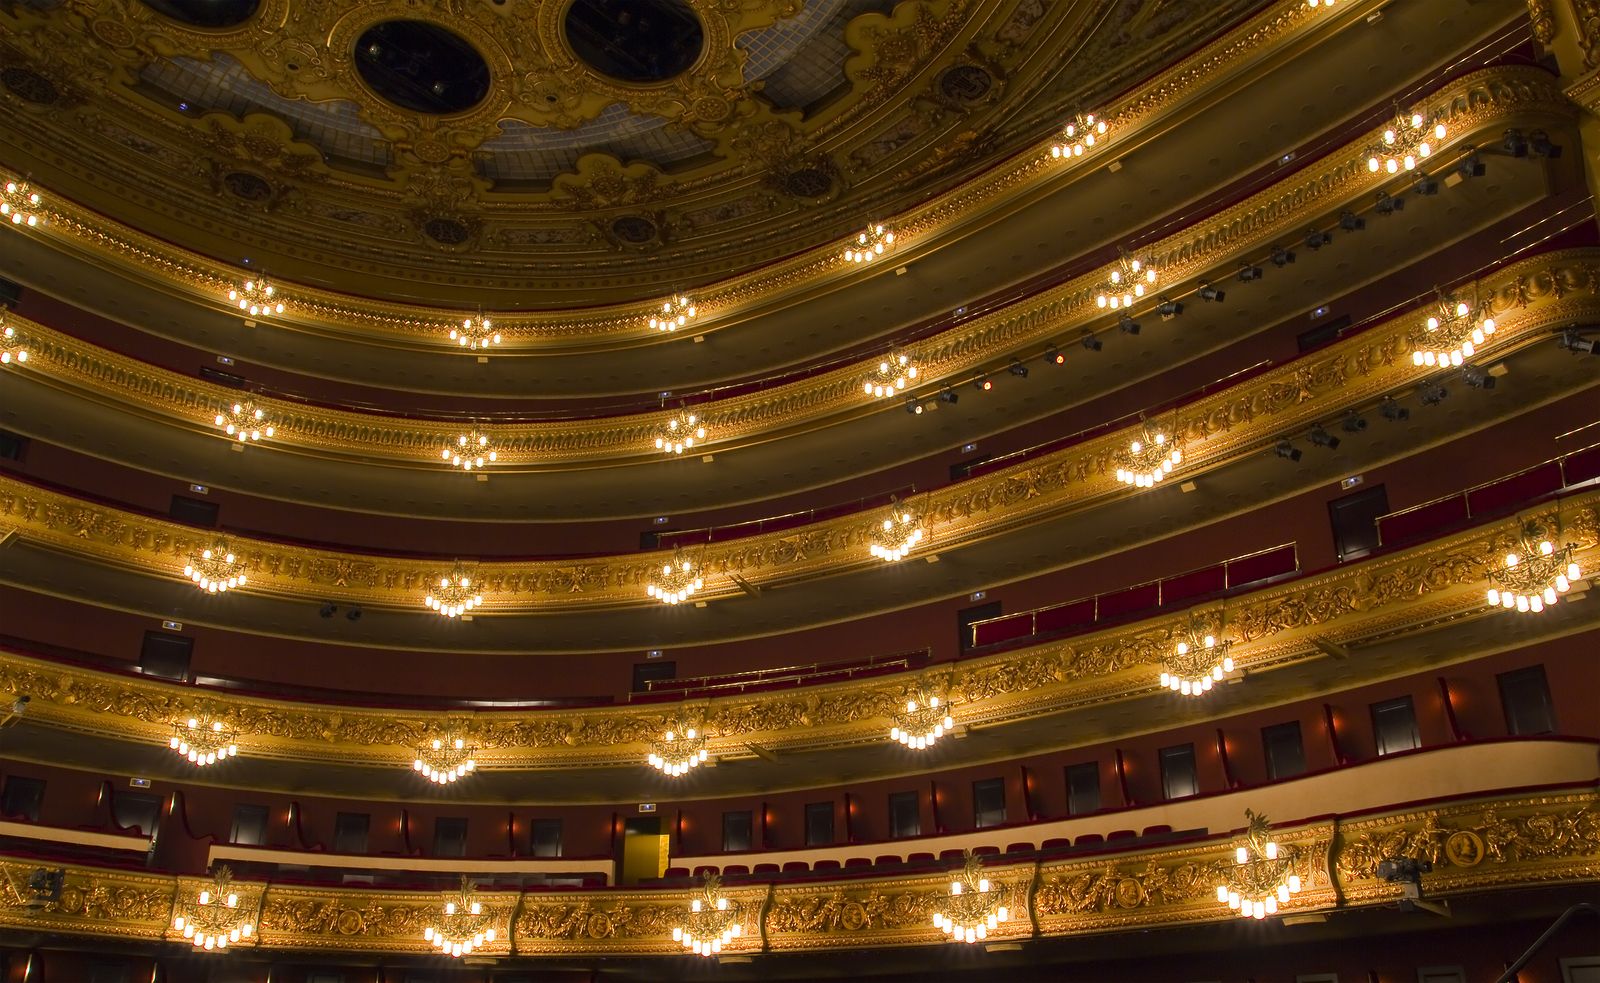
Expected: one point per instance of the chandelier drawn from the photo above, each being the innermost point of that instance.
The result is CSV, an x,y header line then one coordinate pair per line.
x,y
922,723
1452,333
890,375
1196,662
464,927
1259,880
1534,576
677,752
214,921
470,450
20,203
256,298
975,906
1079,136
455,595
678,431
897,535
214,569
202,744
12,347
676,311
475,333
1405,141
868,245
443,760
677,581
1127,282
246,421
713,921
1150,457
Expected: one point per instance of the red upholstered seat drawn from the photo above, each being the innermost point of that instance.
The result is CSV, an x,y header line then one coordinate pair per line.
x,y
676,872
1056,843
821,865
796,867
766,869
920,858
704,870
733,870
1019,848
885,860
952,854
1156,830
1121,834
858,862
1090,839
986,850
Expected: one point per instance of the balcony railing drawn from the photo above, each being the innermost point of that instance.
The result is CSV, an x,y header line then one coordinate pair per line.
x,y
758,680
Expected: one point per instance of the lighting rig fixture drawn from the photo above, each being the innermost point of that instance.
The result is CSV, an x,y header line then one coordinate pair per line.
x,y
454,595
464,925
244,422
1197,661
445,760
1388,204
469,451
677,581
20,204
1079,136
676,311
1125,283
202,743
12,346
869,244
1148,459
213,920
1533,576
1406,141
891,375
1452,333
475,333
679,432
712,921
1127,325
1261,878
1090,342
975,906
257,298
679,750
1535,142
897,534
215,569
920,725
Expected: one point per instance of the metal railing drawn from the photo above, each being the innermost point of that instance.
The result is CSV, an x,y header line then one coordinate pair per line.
x,y
734,681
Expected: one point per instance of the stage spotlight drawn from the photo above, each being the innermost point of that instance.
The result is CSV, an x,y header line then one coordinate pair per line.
x,y
1515,143
1351,222
1053,356
1539,144
1322,438
1477,378
982,383
1316,239
1248,272
1471,167
1282,257
1168,308
1091,342
1287,451
1393,411
1577,344
1209,293
1127,325
1433,395
1388,204
1424,184
1354,423
354,614
328,609
948,395
913,406
1017,369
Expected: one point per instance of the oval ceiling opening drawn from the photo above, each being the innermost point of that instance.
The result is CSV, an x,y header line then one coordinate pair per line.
x,y
635,40
206,13
421,67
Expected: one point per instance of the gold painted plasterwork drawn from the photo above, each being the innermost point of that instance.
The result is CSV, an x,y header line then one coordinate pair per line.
x,y
1478,845
1403,592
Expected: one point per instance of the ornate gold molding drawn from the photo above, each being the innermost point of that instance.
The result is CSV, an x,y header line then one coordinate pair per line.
x,y
1407,591
1484,844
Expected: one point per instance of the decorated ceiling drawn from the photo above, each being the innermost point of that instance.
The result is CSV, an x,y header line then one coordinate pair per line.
x,y
578,152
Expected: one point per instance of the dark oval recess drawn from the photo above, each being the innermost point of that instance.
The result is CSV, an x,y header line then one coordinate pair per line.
x,y
247,186
635,40
206,13
421,67
633,229
30,86
446,231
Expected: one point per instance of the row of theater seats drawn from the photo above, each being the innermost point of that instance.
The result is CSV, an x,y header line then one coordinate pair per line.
x,y
888,864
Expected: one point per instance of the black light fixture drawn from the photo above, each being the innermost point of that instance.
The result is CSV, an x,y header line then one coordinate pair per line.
x,y
1540,146
1053,356
948,395
1424,183
1320,437
1287,451
913,406
1433,395
982,383
1168,308
1091,342
1392,411
1211,294
1514,143
328,609
1351,222
1471,166
1127,325
1577,344
1389,204
1249,272
1353,422
1477,378
1017,369
1282,257
354,614
1317,238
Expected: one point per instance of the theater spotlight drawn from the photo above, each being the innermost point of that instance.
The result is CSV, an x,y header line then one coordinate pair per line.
x,y
913,406
1540,146
1388,204
1316,239
1053,356
1351,222
1248,272
1424,183
1577,344
982,383
1433,395
1127,325
1017,369
948,395
1354,422
1477,378
1471,167
1392,411
1287,451
1209,293
354,614
1282,257
328,609
1320,437
1168,308
1091,342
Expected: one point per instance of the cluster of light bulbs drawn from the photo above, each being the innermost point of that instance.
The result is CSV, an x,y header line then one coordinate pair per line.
x,y
679,432
454,596
245,423
1406,141
1531,584
869,244
676,311
1265,903
445,761
257,298
215,923
460,943
470,450
475,333
212,571
976,907
201,745
678,580
1190,676
1079,136
1148,460
890,376
1452,335
674,756
896,536
1127,282
12,350
20,203
922,724
703,937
